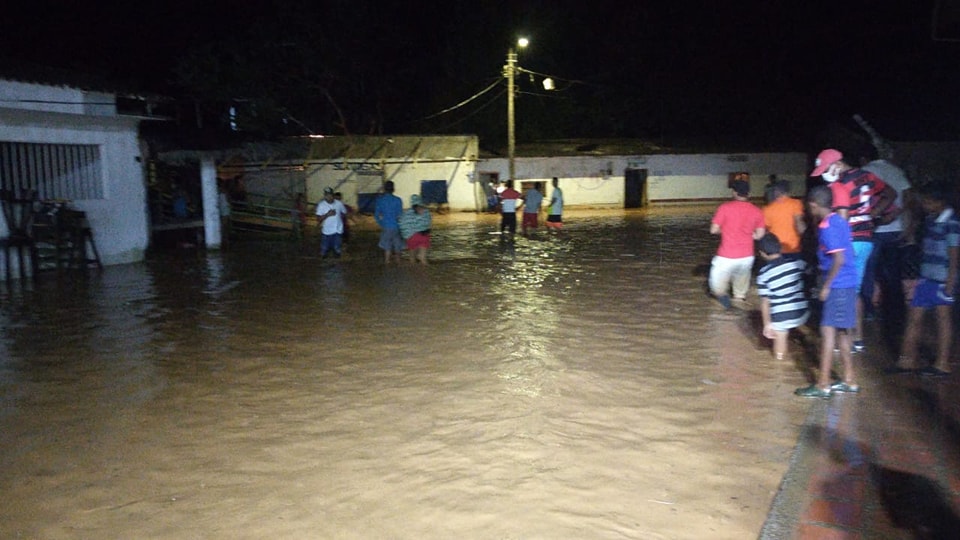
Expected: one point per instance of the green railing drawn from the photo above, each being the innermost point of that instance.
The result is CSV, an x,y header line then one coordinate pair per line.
x,y
263,211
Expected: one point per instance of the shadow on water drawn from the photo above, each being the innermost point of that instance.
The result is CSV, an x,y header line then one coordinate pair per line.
x,y
911,502
915,503
942,413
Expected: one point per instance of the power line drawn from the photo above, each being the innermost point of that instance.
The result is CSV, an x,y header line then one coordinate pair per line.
x,y
482,107
464,102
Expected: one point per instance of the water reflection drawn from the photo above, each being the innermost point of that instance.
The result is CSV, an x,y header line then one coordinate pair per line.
x,y
549,387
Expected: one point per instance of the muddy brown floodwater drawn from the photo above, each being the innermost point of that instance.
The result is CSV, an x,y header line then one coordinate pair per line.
x,y
561,387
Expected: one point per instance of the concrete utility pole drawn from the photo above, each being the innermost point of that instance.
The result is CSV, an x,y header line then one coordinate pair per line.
x,y
509,71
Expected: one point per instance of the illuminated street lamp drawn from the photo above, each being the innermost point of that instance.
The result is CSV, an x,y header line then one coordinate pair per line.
x,y
510,71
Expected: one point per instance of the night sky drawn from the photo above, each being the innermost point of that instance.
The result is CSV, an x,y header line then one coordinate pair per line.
x,y
746,74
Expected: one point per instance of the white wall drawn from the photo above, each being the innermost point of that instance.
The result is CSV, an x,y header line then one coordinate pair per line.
x,y
119,221
38,97
355,176
599,181
586,180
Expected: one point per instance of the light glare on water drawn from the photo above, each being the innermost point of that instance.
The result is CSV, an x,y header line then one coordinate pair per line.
x,y
562,387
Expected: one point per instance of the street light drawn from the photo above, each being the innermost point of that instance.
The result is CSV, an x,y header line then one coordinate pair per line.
x,y
510,71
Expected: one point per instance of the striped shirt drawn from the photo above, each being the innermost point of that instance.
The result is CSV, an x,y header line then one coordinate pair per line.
x,y
781,281
940,234
412,222
864,187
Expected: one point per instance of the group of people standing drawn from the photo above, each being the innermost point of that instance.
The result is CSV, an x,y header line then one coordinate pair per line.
x,y
865,232
511,200
410,229
401,228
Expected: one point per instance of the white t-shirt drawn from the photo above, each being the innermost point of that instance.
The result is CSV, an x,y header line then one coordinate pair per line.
x,y
892,176
333,224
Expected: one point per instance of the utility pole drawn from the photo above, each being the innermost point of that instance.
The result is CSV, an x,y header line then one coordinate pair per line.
x,y
509,71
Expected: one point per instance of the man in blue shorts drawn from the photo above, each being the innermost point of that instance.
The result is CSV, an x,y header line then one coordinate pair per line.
x,y
387,213
838,292
937,285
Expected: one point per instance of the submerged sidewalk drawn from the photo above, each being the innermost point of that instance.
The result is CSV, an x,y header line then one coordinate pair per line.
x,y
884,463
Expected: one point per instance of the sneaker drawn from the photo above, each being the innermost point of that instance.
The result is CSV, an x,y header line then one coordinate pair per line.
x,y
812,391
841,386
724,301
858,346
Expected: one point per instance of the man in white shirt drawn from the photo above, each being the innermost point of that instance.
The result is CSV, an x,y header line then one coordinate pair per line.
x,y
329,211
883,267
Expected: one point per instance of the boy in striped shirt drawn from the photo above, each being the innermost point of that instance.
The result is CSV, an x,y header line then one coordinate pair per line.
x,y
780,286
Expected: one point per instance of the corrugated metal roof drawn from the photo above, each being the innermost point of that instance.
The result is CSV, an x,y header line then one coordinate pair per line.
x,y
589,147
404,148
400,147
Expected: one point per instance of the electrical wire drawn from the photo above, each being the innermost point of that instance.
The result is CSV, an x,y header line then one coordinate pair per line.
x,y
464,102
489,102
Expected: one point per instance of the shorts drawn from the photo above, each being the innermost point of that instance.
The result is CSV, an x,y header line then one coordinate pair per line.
x,y
725,272
555,221
508,221
786,326
330,242
929,294
530,220
418,240
840,309
862,251
390,240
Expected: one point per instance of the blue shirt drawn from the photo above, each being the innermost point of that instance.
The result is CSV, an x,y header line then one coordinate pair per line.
x,y
387,211
532,200
556,202
940,233
835,236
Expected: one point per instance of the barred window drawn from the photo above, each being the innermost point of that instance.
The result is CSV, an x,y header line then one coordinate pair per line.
x,y
54,171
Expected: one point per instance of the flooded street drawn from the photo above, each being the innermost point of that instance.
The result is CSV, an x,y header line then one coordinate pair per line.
x,y
563,387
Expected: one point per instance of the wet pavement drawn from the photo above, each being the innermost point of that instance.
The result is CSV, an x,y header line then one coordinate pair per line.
x,y
563,387
884,463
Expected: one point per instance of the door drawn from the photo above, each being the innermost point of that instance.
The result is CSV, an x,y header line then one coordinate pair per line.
x,y
635,188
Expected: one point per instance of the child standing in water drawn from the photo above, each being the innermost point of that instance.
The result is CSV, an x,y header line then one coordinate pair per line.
x,y
780,286
415,223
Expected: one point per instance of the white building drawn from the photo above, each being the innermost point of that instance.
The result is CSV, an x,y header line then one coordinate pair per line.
x,y
438,167
448,170
632,180
69,144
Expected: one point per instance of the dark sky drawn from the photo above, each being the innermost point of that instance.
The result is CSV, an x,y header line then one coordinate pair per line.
x,y
777,72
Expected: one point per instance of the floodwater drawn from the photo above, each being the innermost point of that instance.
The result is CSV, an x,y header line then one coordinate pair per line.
x,y
561,387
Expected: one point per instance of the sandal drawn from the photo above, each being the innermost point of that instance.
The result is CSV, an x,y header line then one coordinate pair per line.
x,y
931,371
812,391
841,386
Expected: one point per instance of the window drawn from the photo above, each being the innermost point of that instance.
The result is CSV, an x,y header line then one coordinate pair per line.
x,y
53,171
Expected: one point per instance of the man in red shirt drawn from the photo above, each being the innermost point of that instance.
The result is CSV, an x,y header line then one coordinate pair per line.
x,y
508,209
739,223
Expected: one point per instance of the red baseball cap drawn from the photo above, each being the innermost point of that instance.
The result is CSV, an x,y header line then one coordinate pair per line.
x,y
825,159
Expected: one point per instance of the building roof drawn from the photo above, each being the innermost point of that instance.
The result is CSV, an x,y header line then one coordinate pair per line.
x,y
128,100
400,147
586,147
404,148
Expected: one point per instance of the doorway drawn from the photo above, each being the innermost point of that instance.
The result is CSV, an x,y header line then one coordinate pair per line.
x,y
488,184
635,188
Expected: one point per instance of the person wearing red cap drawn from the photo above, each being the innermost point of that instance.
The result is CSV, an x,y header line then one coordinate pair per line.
x,y
860,197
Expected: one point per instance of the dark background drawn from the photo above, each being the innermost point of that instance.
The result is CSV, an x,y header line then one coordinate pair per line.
x,y
740,74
